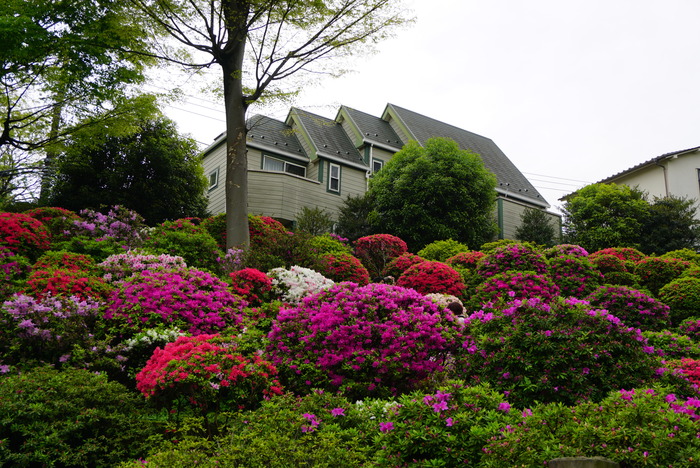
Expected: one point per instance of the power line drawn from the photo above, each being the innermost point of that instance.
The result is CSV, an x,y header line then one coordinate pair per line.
x,y
559,178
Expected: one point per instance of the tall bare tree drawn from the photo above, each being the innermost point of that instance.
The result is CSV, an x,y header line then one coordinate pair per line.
x,y
257,44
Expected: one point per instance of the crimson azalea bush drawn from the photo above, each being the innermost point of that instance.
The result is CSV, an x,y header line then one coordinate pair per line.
x,y
59,221
633,307
23,235
445,427
635,428
207,372
558,351
193,300
656,272
672,345
374,340
65,260
683,297
398,265
252,285
514,285
432,277
690,368
565,249
467,260
340,267
574,275
509,257
62,281
376,251
120,266
623,253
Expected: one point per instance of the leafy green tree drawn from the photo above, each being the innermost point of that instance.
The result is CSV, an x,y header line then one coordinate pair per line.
x,y
436,192
606,215
536,226
314,221
353,217
671,225
258,44
153,171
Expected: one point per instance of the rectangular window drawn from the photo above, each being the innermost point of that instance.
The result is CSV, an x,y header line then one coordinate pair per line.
x,y
377,164
214,179
333,178
278,165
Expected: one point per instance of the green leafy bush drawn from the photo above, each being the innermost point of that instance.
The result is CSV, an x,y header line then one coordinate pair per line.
x,y
314,221
683,297
442,250
329,243
656,272
14,270
97,248
688,255
69,418
184,239
672,345
58,221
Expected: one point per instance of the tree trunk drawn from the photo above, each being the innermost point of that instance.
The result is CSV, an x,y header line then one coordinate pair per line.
x,y
231,61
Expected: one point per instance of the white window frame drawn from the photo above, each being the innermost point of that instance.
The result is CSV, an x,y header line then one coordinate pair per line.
x,y
377,161
331,178
214,179
286,166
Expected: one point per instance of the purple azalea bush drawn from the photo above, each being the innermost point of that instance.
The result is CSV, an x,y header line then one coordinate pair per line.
x,y
633,307
362,340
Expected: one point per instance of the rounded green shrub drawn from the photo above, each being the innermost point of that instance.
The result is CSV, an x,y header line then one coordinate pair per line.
x,y
672,345
184,239
689,255
656,272
69,418
329,243
683,297
442,250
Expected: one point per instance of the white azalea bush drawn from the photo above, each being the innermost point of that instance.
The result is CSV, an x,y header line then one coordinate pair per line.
x,y
296,283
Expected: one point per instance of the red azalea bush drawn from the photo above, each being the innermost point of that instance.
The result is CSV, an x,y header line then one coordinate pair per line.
x,y
59,221
193,300
209,373
607,263
397,266
656,272
342,267
623,253
23,235
252,285
514,285
374,340
575,275
65,260
565,249
433,277
509,257
634,308
690,368
557,351
61,281
467,260
377,250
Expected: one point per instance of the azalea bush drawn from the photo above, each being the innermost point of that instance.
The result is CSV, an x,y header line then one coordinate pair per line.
x,y
231,261
121,266
206,371
565,249
362,340
339,266
467,260
514,285
184,239
23,235
510,257
14,270
683,297
398,265
615,270
59,221
691,327
330,243
672,345
555,351
635,427
691,369
432,277
62,281
252,285
120,224
633,307
193,300
445,427
294,284
656,272
65,260
689,255
441,250
574,275
623,253
377,250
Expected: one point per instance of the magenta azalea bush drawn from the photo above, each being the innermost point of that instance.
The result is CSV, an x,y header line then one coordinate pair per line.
x,y
193,300
558,351
575,275
691,328
362,340
510,257
514,285
14,270
672,345
633,307
432,277
206,371
565,249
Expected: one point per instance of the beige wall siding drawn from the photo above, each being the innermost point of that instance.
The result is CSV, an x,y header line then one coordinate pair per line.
x,y
683,176
216,196
512,211
384,155
650,179
399,130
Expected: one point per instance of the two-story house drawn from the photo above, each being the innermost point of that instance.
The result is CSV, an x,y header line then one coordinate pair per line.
x,y
310,160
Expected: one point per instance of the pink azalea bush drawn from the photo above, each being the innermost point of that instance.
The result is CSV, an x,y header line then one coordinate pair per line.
x,y
690,368
566,249
634,308
623,253
691,327
514,285
557,351
193,300
119,224
362,340
377,250
509,257
432,277
121,266
209,373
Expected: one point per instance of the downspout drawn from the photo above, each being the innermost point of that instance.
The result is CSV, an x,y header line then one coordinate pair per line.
x,y
665,169
369,171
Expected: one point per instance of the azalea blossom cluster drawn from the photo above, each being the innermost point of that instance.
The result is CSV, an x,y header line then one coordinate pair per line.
x,y
120,223
432,277
293,284
339,266
516,285
633,307
60,281
23,235
574,275
364,340
121,266
511,257
252,285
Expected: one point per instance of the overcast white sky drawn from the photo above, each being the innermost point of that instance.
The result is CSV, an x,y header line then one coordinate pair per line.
x,y
572,91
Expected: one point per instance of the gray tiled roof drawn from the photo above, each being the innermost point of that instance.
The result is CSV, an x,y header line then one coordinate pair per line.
x,y
275,134
510,179
374,129
328,136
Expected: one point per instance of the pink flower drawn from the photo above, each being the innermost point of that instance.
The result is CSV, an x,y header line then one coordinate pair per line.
x,y
449,422
386,426
337,412
505,407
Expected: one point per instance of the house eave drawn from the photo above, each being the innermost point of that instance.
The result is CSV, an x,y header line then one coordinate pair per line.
x,y
523,198
339,160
